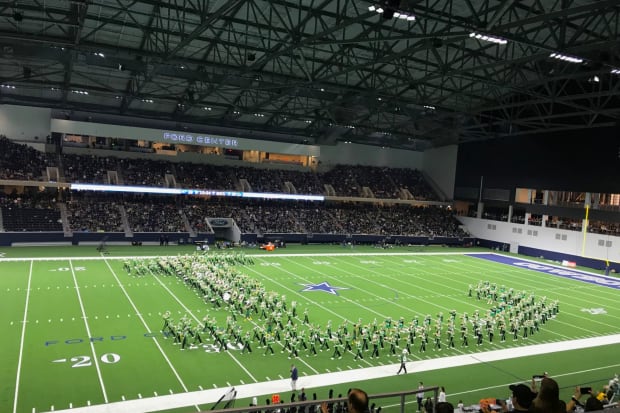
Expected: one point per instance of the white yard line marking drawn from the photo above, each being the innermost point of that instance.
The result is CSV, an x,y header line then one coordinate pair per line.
x,y
21,342
174,371
92,344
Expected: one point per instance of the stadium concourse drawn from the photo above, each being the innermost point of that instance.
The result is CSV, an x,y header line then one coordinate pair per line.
x,y
415,368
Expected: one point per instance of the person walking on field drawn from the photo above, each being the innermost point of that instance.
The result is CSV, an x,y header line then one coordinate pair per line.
x,y
294,377
403,362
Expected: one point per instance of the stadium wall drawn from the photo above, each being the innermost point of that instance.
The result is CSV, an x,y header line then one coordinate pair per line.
x,y
89,238
355,154
588,249
8,239
367,239
24,123
439,167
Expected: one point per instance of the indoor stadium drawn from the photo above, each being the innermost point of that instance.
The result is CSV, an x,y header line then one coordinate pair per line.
x,y
274,206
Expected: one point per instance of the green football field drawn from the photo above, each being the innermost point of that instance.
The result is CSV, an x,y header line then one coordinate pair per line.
x,y
80,331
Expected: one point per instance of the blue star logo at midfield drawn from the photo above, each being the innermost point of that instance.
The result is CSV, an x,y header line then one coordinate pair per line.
x,y
324,286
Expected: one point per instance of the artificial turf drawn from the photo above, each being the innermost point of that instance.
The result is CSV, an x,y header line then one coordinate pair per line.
x,y
92,331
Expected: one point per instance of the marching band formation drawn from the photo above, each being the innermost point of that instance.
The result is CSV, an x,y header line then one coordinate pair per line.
x,y
265,320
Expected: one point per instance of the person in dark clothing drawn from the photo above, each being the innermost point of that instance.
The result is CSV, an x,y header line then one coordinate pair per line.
x,y
294,377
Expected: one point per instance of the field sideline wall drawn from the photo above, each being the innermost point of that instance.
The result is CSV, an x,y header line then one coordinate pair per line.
x,y
552,243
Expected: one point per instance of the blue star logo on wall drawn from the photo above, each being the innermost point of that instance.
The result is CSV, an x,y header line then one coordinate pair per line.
x,y
324,286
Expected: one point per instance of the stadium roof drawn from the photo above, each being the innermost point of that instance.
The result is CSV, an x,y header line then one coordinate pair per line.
x,y
410,74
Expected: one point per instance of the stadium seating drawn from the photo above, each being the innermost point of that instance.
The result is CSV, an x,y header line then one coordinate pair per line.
x,y
19,162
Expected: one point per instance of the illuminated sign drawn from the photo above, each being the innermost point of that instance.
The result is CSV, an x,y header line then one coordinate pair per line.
x,y
200,139
182,191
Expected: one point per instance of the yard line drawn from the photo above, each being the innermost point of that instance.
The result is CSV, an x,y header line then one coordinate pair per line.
x,y
144,323
21,342
92,344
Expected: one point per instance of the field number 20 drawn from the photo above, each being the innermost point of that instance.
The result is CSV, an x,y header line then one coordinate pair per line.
x,y
85,361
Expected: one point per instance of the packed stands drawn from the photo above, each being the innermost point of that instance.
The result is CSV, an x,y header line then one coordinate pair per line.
x,y
21,162
87,169
413,181
30,213
165,214
94,214
204,176
143,171
154,215
343,179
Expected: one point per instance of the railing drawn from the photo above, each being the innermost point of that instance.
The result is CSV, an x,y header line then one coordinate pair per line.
x,y
312,406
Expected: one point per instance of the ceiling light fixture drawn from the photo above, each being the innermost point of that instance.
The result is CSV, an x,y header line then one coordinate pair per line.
x,y
615,71
566,58
389,11
488,38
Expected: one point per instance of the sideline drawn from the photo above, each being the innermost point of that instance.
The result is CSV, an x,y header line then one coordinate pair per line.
x,y
169,402
296,254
